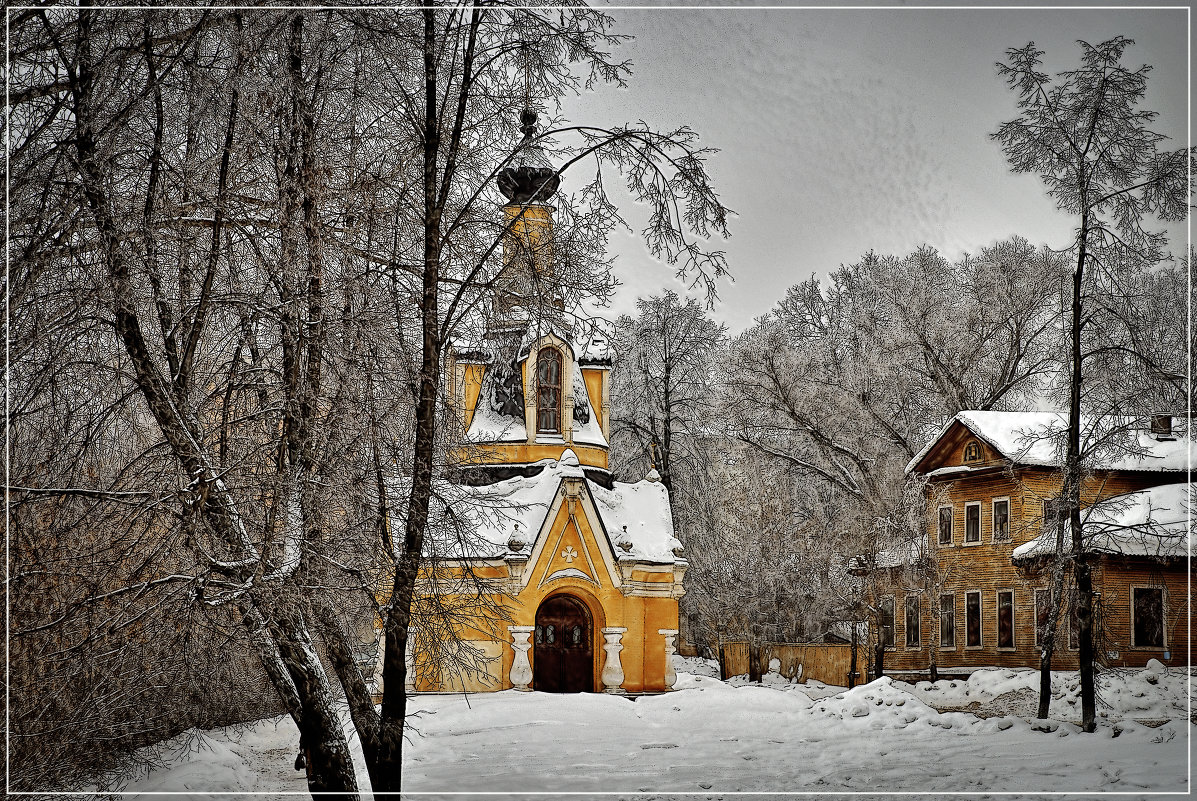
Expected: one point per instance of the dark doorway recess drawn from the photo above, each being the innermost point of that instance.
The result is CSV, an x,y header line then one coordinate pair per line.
x,y
563,654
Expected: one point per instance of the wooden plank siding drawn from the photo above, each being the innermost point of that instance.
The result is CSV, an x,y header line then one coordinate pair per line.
x,y
986,567
825,662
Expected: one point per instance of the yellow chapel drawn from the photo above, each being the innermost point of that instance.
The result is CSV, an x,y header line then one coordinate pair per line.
x,y
566,581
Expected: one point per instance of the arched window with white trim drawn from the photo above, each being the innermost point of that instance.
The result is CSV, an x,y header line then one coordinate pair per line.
x,y
548,391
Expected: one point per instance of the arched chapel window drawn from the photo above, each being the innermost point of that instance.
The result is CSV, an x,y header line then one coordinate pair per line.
x,y
972,452
548,391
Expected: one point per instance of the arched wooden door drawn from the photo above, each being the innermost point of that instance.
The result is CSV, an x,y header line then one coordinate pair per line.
x,y
563,653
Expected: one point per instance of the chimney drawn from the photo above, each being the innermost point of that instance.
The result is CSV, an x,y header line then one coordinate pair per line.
x,y
1161,427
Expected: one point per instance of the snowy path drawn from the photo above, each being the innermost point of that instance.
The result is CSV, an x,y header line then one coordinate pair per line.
x,y
710,737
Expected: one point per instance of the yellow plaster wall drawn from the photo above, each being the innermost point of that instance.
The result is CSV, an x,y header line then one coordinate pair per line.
x,y
523,453
531,232
471,380
595,379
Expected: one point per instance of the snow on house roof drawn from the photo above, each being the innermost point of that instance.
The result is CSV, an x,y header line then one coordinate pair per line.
x,y
469,522
1152,522
903,554
1031,438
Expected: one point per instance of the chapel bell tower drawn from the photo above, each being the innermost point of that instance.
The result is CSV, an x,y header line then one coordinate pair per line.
x,y
537,383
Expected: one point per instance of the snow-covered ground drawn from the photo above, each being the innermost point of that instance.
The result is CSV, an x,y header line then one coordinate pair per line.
x,y
710,737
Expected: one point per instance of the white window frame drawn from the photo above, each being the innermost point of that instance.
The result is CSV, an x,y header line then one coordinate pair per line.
x,y
980,538
548,435
1163,616
980,620
993,519
997,620
955,639
951,525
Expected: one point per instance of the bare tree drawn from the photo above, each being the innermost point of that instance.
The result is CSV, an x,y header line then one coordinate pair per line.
x,y
843,384
261,229
663,388
1085,135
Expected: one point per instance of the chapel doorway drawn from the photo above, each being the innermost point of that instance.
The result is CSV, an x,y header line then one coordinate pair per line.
x,y
563,656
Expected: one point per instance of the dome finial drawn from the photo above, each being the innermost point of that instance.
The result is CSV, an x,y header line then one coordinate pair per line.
x,y
528,123
533,179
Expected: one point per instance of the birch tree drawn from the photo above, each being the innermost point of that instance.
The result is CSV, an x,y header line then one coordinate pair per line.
x,y
1085,135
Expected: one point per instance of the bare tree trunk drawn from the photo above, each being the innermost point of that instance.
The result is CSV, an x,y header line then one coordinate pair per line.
x,y
329,766
361,705
1048,644
754,661
1072,485
398,615
325,749
852,659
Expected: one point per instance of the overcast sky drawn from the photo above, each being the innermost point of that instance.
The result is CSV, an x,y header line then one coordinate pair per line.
x,y
845,130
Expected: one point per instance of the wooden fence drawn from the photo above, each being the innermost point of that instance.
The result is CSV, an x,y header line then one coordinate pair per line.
x,y
825,662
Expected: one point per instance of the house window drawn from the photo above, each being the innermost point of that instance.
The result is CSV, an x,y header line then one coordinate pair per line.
x,y
885,614
972,620
972,523
913,633
1147,617
1043,611
1005,619
1001,520
945,525
972,452
1053,511
947,621
548,391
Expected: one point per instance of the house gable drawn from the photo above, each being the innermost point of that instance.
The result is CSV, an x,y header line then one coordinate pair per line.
x,y
956,449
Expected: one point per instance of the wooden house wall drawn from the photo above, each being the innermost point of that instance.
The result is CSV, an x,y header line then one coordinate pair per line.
x,y
986,567
1117,578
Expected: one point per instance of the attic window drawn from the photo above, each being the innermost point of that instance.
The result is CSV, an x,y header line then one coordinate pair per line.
x,y
972,452
548,391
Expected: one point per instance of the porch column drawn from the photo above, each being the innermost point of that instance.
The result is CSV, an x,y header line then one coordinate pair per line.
x,y
613,668
670,650
521,669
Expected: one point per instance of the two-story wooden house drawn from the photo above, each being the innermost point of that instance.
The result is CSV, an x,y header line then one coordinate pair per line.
x,y
976,589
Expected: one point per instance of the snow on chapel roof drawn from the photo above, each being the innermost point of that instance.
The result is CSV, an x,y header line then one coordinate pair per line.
x,y
472,522
1030,438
